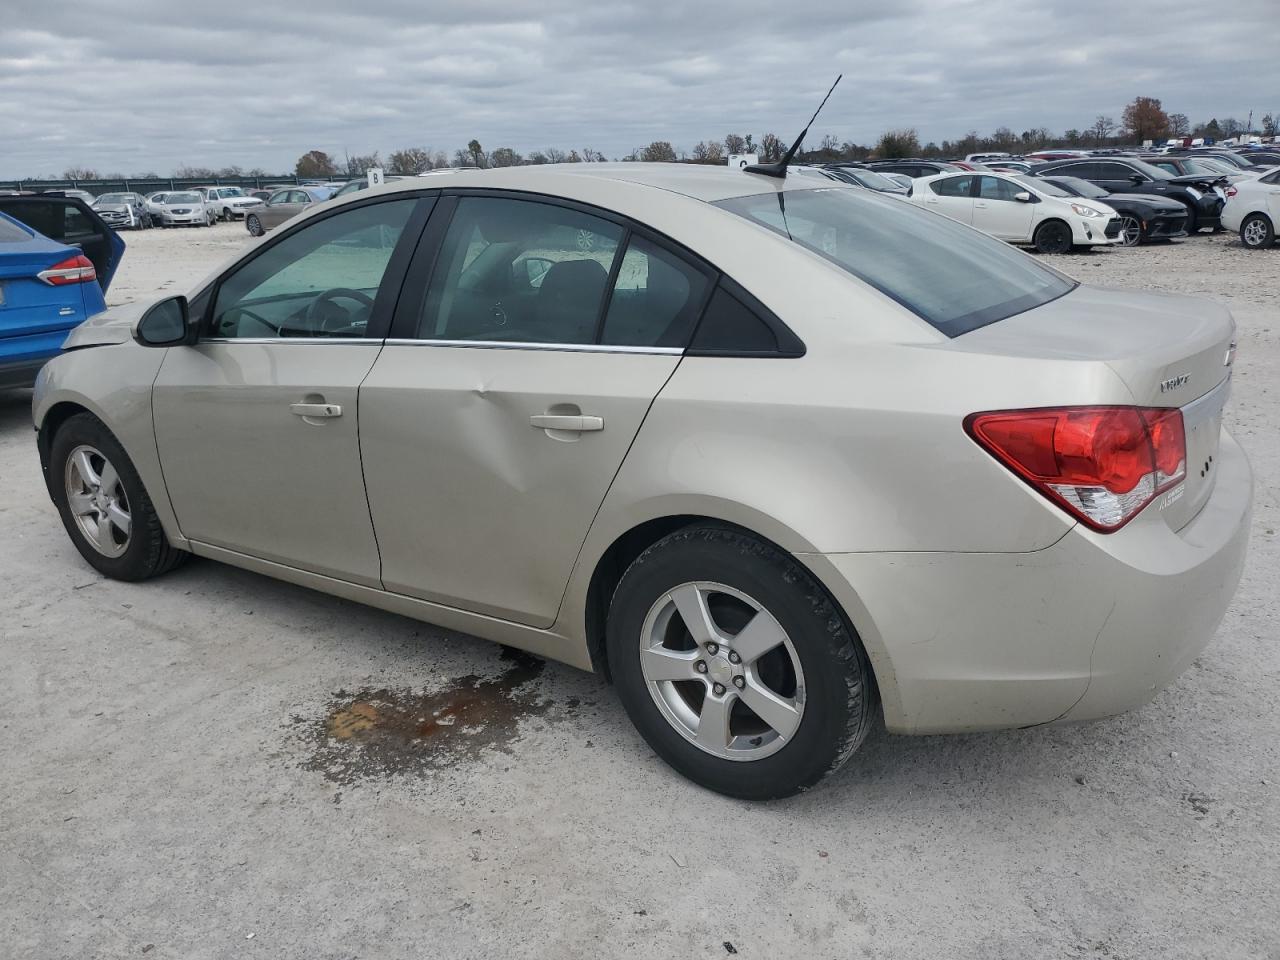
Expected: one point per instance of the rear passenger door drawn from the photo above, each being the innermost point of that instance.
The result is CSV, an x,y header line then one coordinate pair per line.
x,y
519,370
952,196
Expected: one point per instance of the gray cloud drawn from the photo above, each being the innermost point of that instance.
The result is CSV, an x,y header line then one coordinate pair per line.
x,y
144,87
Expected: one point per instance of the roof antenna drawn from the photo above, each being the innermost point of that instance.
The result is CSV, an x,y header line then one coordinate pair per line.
x,y
779,169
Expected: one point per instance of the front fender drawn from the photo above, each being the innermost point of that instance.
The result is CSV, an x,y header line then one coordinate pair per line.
x,y
113,382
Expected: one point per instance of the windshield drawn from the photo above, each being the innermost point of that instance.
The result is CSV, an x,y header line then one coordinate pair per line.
x,y
1152,171
182,198
1044,186
875,181
1210,165
231,192
954,278
1083,188
113,198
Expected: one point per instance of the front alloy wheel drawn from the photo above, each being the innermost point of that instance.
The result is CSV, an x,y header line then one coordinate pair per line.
x,y
98,501
1130,231
253,225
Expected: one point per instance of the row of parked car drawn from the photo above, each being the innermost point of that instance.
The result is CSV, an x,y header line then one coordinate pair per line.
x,y
1077,199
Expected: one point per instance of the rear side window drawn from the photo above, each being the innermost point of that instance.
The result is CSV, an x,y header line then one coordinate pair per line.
x,y
655,299
952,186
954,278
10,232
731,328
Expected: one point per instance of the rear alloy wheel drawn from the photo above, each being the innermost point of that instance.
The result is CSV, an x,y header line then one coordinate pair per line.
x,y
1257,231
253,225
103,504
1130,231
1053,236
735,666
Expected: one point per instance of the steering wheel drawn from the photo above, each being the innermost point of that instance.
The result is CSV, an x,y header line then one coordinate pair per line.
x,y
322,308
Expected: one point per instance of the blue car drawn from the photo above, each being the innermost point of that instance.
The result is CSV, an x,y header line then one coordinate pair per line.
x,y
47,285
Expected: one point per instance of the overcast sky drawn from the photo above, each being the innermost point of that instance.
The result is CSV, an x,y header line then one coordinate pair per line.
x,y
138,85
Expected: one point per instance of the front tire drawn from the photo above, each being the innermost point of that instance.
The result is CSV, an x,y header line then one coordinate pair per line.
x,y
1052,236
1130,231
103,504
1257,232
735,666
253,225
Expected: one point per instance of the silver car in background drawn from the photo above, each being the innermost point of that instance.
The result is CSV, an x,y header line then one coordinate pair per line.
x,y
185,208
123,211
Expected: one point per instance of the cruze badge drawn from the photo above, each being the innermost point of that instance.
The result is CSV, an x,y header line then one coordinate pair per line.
x,y
1173,383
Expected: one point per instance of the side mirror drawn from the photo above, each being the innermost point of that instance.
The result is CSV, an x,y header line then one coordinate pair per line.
x,y
166,324
1137,178
1022,196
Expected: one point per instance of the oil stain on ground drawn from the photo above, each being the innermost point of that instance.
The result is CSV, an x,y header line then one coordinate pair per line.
x,y
373,733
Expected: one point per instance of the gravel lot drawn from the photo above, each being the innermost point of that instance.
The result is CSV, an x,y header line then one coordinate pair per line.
x,y
180,775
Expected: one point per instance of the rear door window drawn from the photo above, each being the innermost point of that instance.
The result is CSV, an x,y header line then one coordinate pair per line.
x,y
655,299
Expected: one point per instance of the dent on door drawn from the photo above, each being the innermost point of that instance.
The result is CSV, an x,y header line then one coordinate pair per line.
x,y
485,467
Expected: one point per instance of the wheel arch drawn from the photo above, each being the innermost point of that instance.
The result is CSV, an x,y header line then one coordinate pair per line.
x,y
613,562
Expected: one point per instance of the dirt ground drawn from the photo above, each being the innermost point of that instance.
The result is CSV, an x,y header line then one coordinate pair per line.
x,y
218,765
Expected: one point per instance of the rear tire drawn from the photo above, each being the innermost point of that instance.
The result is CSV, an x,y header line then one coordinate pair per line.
x,y
82,448
1052,236
807,691
1257,232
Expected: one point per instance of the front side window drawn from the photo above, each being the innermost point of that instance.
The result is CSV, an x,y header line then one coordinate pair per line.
x,y
952,186
520,271
319,281
953,278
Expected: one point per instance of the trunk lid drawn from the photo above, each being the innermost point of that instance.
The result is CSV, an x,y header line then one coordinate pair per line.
x,y
1170,351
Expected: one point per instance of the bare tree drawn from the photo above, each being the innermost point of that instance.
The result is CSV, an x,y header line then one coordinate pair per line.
x,y
409,161
592,156
556,155
79,173
734,144
1102,129
707,151
1179,125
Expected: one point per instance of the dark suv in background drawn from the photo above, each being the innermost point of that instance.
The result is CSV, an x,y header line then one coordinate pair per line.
x,y
1197,193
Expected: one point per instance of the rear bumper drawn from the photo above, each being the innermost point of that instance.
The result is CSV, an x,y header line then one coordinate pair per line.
x,y
1094,625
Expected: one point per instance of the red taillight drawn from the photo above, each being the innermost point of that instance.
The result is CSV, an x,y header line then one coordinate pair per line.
x,y
77,269
1231,192
1101,464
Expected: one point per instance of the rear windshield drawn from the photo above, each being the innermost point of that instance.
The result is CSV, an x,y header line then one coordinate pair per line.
x,y
182,198
10,232
954,278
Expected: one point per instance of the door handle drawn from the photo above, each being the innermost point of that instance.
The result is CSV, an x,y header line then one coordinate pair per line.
x,y
317,411
575,424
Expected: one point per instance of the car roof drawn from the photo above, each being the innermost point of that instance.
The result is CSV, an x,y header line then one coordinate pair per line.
x,y
696,181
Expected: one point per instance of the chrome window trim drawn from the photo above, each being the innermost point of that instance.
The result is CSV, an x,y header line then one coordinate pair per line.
x,y
324,340
472,344
523,345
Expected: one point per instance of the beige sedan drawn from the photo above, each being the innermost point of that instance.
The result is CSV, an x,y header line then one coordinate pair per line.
x,y
280,206
776,456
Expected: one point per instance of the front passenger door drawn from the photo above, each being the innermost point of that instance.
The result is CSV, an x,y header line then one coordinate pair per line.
x,y
256,424
997,212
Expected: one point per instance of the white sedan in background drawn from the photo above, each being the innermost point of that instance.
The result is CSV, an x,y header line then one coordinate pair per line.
x,y
1019,209
1253,209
